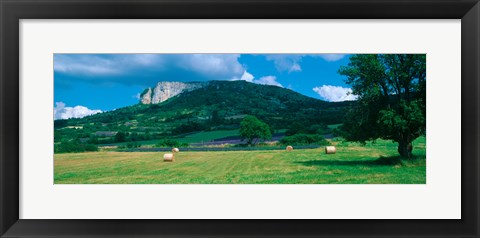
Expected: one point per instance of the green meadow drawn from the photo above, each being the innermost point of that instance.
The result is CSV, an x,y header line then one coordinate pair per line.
x,y
373,163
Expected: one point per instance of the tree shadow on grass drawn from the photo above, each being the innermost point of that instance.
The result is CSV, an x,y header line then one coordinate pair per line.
x,y
382,161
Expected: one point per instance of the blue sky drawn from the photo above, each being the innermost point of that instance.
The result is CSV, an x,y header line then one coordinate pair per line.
x,y
90,83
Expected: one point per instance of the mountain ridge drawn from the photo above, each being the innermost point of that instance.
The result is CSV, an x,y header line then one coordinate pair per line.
x,y
214,105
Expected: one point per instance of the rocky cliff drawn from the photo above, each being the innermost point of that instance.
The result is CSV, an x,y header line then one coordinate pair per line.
x,y
165,90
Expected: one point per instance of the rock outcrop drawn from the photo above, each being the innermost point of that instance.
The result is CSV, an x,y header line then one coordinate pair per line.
x,y
165,90
147,97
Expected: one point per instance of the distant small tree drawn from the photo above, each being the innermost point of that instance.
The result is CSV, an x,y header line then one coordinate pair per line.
x,y
216,118
252,129
120,137
294,128
169,143
93,139
304,139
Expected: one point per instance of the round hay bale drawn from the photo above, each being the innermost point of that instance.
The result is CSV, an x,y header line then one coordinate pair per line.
x,y
175,150
289,148
330,150
168,157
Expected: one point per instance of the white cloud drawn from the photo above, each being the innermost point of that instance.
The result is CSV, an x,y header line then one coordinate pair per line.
x,y
85,65
335,93
210,64
104,65
291,62
295,67
62,112
288,62
215,66
146,59
268,80
146,69
246,76
332,57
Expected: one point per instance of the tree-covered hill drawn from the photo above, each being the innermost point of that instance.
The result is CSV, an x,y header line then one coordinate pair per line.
x,y
220,105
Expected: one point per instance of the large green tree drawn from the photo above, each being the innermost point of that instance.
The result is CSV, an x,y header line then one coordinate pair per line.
x,y
391,90
252,129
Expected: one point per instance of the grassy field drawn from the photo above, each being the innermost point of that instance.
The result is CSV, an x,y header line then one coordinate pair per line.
x,y
376,163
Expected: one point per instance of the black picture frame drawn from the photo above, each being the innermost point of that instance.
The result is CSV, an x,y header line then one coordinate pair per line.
x,y
12,11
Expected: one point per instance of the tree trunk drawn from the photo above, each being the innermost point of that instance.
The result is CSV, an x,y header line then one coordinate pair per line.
x,y
405,149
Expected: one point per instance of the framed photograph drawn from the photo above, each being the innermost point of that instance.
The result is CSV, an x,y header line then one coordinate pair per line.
x,y
239,118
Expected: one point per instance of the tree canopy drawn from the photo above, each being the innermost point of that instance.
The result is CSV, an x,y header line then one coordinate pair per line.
x,y
391,91
252,129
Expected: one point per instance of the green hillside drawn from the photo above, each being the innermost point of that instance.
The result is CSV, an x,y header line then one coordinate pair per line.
x,y
219,106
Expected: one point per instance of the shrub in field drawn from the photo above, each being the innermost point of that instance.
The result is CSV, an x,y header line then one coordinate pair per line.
x,y
304,139
170,143
167,143
121,136
90,147
71,146
133,145
299,128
